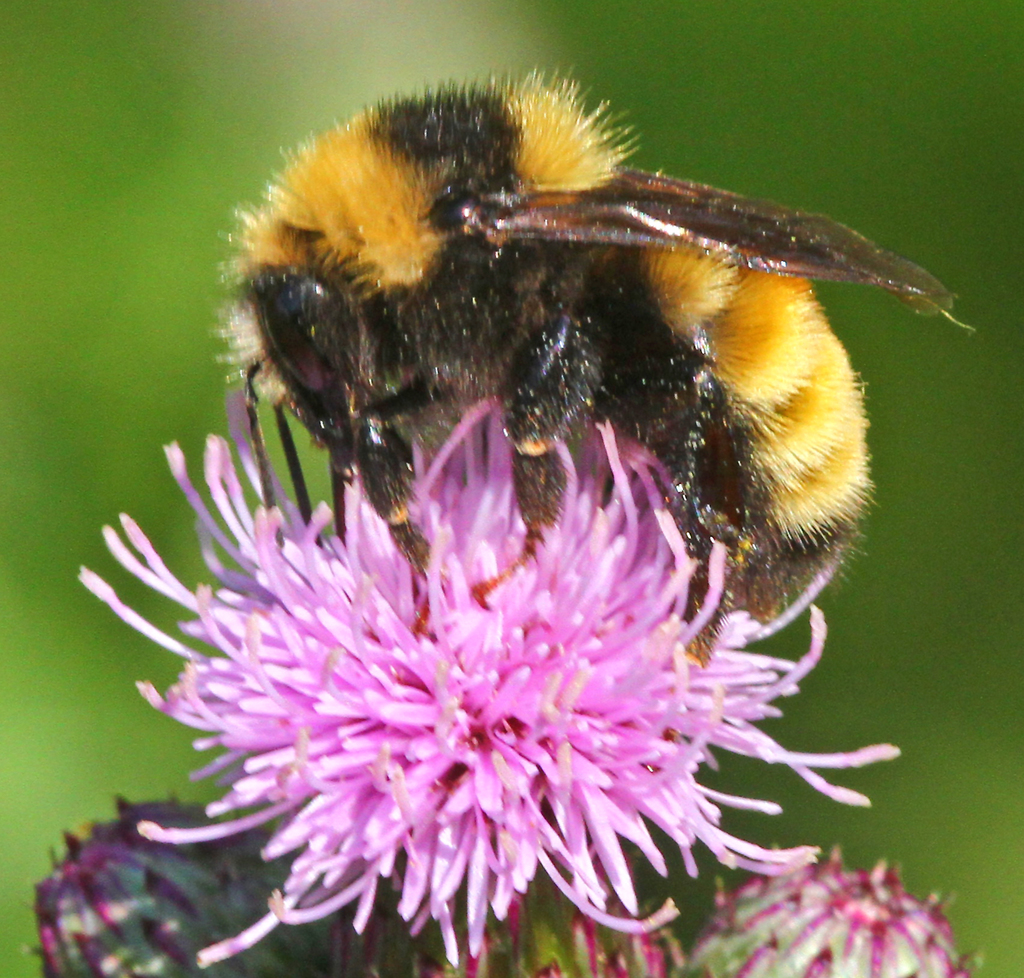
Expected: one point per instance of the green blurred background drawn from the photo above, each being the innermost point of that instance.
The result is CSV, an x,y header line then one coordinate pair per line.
x,y
130,132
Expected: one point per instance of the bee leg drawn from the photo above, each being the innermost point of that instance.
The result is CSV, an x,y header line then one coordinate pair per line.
x,y
553,380
294,466
412,398
385,464
674,405
554,377
259,445
341,478
708,499
539,482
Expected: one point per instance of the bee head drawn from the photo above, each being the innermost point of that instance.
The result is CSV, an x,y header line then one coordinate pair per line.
x,y
305,325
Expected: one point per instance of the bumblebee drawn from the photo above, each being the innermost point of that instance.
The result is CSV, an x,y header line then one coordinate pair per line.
x,y
488,242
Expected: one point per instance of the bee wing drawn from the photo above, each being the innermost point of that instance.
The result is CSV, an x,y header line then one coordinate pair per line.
x,y
637,208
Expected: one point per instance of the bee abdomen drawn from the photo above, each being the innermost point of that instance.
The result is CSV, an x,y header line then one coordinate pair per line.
x,y
790,380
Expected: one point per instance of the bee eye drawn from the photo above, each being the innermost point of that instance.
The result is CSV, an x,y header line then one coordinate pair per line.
x,y
295,300
291,310
290,304
454,210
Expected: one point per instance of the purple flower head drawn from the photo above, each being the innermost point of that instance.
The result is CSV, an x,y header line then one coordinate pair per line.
x,y
825,921
402,728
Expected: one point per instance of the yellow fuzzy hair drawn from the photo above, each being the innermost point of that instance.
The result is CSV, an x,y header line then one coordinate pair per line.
x,y
561,146
692,288
792,380
369,205
786,375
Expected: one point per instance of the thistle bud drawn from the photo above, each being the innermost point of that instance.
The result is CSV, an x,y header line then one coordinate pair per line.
x,y
825,921
118,905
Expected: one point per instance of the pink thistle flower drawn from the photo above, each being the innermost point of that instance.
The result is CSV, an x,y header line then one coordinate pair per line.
x,y
400,728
